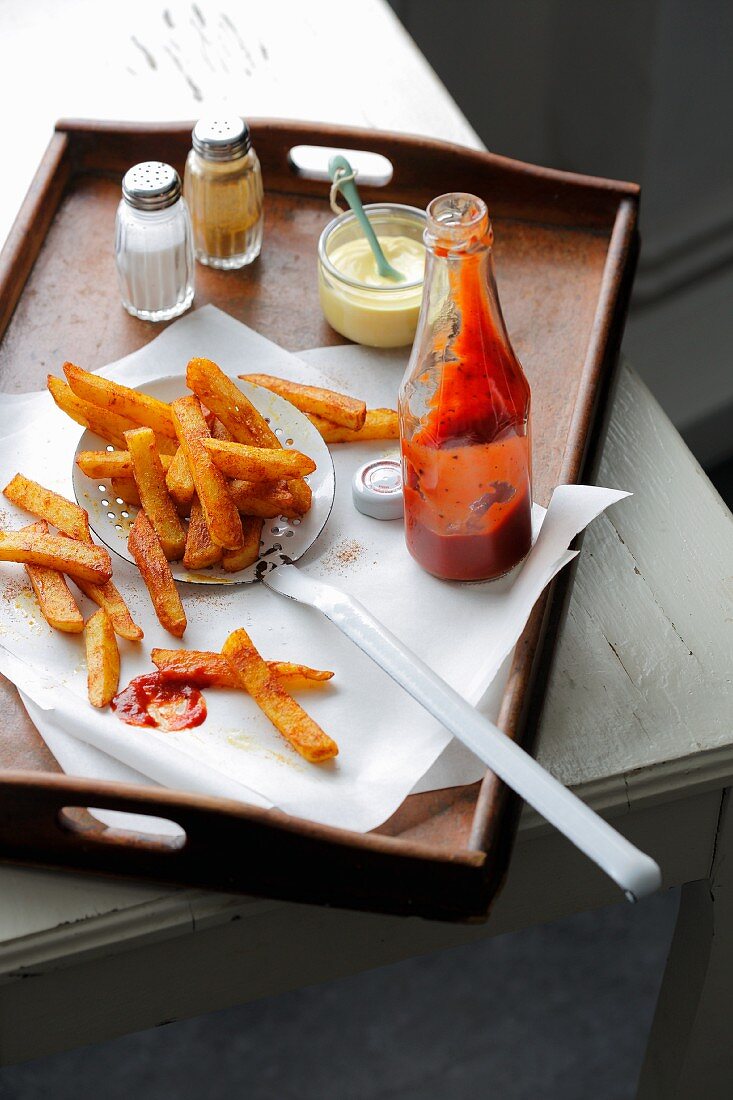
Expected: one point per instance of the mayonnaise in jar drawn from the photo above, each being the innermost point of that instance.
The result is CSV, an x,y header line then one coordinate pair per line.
x,y
356,300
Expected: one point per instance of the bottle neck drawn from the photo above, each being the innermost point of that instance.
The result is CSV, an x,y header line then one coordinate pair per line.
x,y
463,305
477,387
460,269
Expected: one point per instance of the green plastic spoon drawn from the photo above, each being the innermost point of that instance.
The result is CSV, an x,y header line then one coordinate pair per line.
x,y
342,175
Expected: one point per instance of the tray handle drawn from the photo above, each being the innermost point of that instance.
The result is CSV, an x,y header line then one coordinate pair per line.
x,y
311,162
233,847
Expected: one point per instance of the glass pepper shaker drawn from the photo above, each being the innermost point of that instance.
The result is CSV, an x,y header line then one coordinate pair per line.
x,y
464,410
223,188
153,245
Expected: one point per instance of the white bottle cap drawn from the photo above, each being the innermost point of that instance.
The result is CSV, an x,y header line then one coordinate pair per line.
x,y
377,489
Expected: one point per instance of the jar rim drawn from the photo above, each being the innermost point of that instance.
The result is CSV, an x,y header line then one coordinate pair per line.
x,y
387,208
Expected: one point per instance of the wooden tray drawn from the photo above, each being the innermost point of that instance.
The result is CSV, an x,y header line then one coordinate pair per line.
x,y
565,252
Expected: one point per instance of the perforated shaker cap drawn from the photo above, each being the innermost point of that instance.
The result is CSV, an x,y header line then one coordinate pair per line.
x,y
377,489
221,138
151,185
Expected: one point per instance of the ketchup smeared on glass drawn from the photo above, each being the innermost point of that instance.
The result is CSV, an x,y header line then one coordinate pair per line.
x,y
152,701
464,411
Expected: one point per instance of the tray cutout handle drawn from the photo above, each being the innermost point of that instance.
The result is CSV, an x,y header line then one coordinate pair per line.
x,y
311,163
71,819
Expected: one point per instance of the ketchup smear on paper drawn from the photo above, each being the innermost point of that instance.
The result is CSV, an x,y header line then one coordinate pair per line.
x,y
152,701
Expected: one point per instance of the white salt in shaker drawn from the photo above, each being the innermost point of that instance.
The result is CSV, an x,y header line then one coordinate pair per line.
x,y
153,243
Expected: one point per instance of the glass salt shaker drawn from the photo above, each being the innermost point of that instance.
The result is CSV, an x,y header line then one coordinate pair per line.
x,y
223,188
153,243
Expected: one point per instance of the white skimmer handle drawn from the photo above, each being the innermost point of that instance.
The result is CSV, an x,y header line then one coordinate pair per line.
x,y
636,873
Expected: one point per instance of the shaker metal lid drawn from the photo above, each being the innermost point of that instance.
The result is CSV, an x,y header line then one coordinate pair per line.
x,y
221,138
377,489
151,185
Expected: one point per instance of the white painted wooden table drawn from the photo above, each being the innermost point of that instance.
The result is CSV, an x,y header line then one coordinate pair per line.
x,y
638,718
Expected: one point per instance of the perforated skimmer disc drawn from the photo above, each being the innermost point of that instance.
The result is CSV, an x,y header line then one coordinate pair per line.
x,y
110,518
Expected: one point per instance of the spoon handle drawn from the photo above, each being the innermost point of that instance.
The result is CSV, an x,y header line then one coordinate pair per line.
x,y
339,169
634,871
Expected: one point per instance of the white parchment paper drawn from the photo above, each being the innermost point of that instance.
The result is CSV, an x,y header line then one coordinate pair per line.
x,y
388,745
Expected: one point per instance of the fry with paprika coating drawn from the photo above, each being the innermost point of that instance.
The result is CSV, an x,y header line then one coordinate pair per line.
x,y
58,606
78,559
203,669
154,496
103,659
348,412
220,511
287,715
156,572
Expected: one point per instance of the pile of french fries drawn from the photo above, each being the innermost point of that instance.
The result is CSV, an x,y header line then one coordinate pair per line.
x,y
209,459
205,472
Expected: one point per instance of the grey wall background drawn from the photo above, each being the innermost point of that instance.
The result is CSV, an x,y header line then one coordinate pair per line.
x,y
631,89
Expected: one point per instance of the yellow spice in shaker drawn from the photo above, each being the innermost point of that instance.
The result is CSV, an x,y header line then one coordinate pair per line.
x,y
223,189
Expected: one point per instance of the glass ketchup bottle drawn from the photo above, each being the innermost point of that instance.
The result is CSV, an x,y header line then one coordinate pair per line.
x,y
464,410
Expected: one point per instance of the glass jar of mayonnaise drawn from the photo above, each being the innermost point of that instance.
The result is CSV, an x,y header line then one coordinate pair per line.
x,y
356,300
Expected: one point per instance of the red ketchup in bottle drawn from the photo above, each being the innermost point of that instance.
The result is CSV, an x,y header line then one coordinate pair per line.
x,y
464,410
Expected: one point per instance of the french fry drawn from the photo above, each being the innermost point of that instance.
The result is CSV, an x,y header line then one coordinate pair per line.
x,y
111,463
67,517
333,406
109,599
264,499
258,463
150,481
53,594
301,494
218,431
125,489
255,676
234,560
297,677
78,559
220,511
202,669
156,573
379,424
73,521
103,422
239,416
200,551
103,659
180,483
143,410
224,398
108,425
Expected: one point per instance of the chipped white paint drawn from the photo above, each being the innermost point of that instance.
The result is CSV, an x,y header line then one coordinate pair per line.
x,y
643,674
636,716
